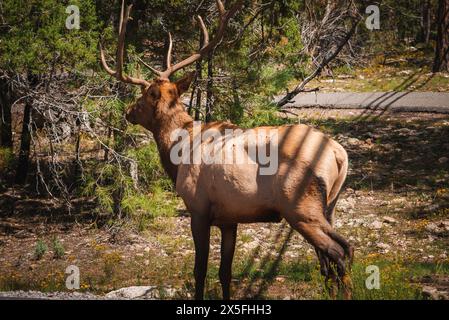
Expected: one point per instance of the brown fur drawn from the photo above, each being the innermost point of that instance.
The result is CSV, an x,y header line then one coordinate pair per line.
x,y
312,169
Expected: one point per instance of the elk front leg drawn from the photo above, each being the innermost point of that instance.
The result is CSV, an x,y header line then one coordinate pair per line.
x,y
201,237
228,237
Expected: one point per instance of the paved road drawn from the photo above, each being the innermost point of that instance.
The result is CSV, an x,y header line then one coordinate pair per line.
x,y
437,102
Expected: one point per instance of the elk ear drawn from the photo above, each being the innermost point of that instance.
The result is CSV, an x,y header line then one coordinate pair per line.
x,y
183,84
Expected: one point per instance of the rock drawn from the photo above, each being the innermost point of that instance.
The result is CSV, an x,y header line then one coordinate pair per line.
x,y
383,246
49,295
432,227
406,132
280,279
433,293
430,293
355,222
443,160
443,295
444,225
353,141
389,220
438,228
376,225
358,193
132,292
142,292
346,204
251,245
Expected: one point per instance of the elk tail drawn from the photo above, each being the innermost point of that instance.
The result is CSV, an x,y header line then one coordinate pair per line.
x,y
341,158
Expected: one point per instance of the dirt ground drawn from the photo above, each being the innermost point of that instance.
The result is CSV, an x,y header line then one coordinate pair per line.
x,y
394,210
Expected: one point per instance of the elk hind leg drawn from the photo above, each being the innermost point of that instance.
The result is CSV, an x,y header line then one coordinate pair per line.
x,y
332,249
328,272
332,281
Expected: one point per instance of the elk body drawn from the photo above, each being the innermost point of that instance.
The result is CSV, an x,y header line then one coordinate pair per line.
x,y
304,189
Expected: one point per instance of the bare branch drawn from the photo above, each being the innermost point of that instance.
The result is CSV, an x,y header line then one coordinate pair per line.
x,y
300,87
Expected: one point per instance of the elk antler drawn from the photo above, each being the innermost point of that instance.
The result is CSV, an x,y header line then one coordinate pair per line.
x,y
118,73
224,17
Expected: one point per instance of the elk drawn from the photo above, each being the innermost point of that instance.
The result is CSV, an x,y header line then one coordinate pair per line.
x,y
304,190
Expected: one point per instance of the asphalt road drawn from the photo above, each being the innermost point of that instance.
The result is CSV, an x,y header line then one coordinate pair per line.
x,y
435,102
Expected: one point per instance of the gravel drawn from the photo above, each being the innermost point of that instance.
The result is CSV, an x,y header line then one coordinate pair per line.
x,y
36,295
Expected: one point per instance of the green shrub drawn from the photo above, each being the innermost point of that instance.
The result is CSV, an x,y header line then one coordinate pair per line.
x,y
149,166
6,159
40,249
265,116
150,196
58,248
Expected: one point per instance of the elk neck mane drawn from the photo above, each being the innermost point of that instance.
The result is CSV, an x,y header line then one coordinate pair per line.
x,y
164,123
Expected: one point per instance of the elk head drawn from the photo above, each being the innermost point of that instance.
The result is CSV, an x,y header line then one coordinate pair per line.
x,y
161,96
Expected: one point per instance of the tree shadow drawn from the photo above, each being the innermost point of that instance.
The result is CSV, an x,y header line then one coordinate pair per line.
x,y
21,204
395,163
268,265
259,284
382,104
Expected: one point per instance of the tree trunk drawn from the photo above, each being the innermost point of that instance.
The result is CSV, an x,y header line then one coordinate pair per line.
x,y
25,140
192,95
120,144
199,77
441,62
6,101
77,163
108,141
198,91
25,144
425,21
210,86
236,113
